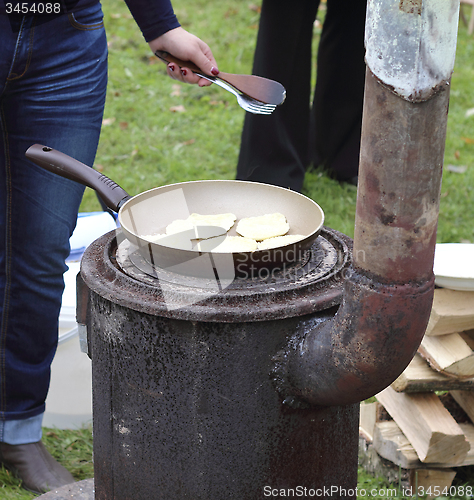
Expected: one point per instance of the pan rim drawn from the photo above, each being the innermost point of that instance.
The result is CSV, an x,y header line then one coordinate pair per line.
x,y
256,253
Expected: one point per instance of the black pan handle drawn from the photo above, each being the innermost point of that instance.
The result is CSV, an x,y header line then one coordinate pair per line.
x,y
65,166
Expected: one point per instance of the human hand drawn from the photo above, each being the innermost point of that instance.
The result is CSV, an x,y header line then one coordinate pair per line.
x,y
187,47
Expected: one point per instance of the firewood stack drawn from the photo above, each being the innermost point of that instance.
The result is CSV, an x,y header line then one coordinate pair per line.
x,y
429,410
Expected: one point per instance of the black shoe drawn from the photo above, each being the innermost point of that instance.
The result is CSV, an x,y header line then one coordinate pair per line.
x,y
34,465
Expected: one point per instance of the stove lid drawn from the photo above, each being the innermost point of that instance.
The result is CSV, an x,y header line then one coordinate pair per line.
x,y
113,268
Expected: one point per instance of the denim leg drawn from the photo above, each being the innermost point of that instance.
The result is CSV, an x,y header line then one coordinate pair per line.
x,y
52,92
28,430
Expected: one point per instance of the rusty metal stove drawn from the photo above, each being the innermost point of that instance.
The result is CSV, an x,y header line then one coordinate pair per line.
x,y
253,392
185,405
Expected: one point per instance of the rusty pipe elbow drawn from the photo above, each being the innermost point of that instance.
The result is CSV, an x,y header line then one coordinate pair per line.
x,y
388,295
359,352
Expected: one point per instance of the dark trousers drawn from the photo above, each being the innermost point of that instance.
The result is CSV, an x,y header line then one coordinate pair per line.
x,y
277,149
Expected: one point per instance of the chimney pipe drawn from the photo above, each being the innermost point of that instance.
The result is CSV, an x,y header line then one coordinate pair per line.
x,y
410,50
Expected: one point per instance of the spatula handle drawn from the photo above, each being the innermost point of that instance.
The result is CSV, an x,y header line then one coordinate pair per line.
x,y
168,58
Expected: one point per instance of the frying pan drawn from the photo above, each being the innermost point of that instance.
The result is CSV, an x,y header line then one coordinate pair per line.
x,y
151,211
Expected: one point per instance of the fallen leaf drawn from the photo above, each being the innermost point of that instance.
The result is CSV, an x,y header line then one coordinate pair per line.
x,y
108,121
457,155
231,12
469,112
134,152
178,109
180,145
468,140
153,60
176,90
457,169
255,8
99,168
123,125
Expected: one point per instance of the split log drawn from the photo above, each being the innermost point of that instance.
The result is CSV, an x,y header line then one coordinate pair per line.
x,y
378,466
367,419
465,399
432,431
468,337
449,354
419,377
452,312
431,482
391,444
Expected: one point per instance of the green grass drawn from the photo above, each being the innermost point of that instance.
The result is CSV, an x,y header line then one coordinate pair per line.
x,y
147,142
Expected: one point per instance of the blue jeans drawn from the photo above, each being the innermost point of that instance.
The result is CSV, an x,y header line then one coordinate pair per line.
x,y
53,76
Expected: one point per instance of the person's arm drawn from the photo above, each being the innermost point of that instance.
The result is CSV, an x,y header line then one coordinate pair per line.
x,y
162,31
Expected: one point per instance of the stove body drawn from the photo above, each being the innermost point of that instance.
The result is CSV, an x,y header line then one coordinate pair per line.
x,y
185,405
252,391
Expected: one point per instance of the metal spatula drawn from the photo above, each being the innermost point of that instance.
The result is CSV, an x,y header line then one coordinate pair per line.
x,y
258,88
245,102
